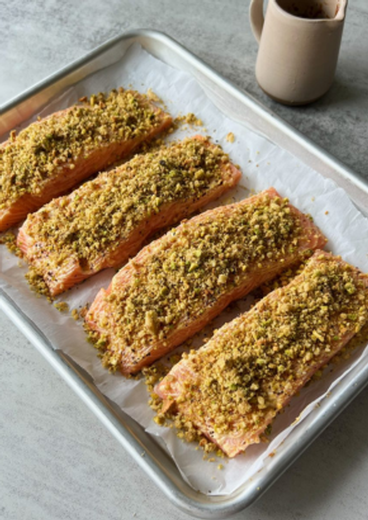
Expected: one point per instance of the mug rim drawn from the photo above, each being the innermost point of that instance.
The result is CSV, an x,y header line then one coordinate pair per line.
x,y
341,3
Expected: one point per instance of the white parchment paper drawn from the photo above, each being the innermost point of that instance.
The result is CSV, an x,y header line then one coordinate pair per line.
x,y
263,165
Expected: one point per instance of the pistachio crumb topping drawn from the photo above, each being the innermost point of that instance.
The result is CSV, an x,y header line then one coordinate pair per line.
x,y
45,148
37,283
192,268
97,217
186,430
244,376
9,239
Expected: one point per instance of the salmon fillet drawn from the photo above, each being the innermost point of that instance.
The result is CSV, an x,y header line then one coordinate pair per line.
x,y
233,387
179,283
52,155
106,221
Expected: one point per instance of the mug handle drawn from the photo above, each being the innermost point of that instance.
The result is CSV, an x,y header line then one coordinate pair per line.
x,y
256,18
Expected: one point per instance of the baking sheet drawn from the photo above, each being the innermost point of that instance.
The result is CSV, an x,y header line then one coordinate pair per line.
x,y
263,165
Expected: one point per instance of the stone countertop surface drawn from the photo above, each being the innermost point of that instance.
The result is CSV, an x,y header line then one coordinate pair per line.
x,y
57,460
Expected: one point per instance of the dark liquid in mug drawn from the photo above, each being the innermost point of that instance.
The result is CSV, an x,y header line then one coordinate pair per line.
x,y
307,9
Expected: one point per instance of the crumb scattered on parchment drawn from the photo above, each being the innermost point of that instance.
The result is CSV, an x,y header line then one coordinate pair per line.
x,y
83,311
9,239
75,314
230,138
183,121
191,119
61,306
153,97
327,212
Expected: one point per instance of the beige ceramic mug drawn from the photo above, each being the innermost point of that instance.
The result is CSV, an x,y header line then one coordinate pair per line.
x,y
299,42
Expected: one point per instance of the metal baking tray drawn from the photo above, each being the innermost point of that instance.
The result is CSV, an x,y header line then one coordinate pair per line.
x,y
243,108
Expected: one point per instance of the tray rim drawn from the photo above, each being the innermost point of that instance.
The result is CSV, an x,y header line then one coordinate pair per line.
x,y
198,505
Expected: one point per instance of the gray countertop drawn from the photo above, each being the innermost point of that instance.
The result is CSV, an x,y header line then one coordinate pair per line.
x,y
57,460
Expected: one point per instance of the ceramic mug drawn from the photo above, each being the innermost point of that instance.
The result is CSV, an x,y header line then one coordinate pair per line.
x,y
299,42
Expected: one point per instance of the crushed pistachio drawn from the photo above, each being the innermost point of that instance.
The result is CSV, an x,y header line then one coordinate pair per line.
x,y
230,138
9,239
83,311
103,213
191,268
42,150
37,283
187,119
247,372
61,306
152,96
75,314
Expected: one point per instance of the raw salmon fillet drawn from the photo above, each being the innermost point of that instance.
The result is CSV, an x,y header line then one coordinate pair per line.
x,y
106,221
179,283
52,155
233,387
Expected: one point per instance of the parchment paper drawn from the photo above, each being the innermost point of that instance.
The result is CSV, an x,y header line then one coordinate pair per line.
x,y
263,165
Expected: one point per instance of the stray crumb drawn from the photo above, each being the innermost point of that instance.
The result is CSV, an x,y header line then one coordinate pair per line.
x,y
230,138
75,314
83,311
220,466
189,119
326,212
61,306
313,199
152,96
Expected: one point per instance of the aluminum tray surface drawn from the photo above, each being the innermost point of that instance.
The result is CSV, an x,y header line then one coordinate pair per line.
x,y
241,107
